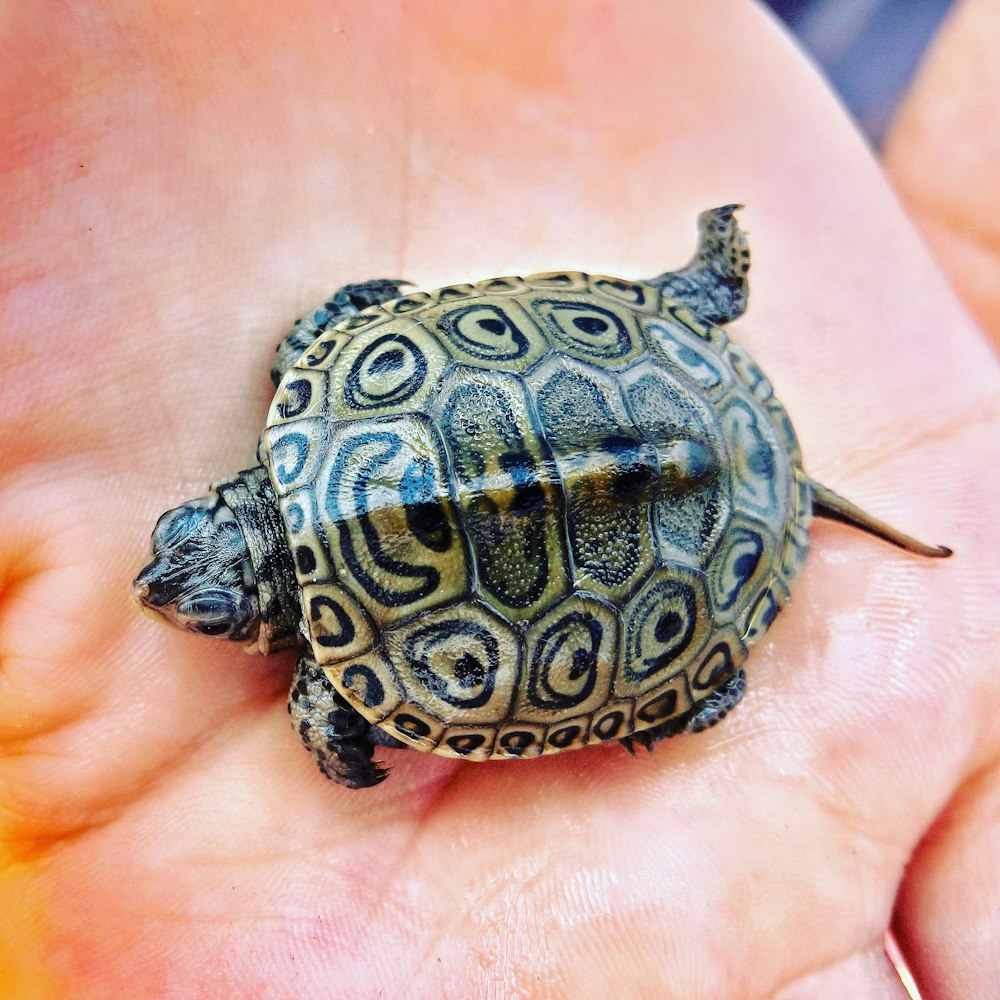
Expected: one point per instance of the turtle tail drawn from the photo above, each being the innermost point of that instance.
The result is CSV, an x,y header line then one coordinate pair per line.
x,y
828,504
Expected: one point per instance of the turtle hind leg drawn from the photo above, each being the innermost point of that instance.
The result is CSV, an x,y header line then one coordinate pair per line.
x,y
714,285
703,716
341,741
344,302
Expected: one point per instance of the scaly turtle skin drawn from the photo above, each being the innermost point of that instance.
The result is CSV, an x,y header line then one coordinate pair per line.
x,y
508,518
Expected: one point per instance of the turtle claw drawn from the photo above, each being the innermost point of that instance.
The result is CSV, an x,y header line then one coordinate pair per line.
x,y
350,771
704,715
718,704
340,740
645,738
648,738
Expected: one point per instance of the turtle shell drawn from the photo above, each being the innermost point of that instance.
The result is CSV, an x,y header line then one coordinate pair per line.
x,y
533,513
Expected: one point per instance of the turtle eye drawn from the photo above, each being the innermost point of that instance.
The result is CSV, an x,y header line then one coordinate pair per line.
x,y
211,628
211,612
178,524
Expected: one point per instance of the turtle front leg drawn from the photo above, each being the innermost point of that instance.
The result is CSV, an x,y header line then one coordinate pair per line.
x,y
344,302
714,285
340,740
709,712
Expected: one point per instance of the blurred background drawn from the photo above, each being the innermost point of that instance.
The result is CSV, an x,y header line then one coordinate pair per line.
x,y
869,49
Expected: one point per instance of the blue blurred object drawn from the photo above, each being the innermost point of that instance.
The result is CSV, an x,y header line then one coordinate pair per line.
x,y
869,49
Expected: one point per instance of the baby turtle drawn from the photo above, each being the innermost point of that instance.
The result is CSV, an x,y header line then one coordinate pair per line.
x,y
508,518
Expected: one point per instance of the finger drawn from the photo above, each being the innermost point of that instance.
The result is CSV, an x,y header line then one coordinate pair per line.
x,y
942,152
865,975
946,915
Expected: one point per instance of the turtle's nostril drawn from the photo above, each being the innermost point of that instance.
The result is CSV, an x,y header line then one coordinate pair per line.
x,y
146,579
140,590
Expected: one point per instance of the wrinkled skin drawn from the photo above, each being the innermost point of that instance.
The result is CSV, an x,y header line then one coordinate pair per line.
x,y
178,190
199,576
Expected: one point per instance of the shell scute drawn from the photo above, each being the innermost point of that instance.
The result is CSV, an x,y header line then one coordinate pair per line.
x,y
339,627
493,333
369,683
384,372
365,318
695,502
413,725
408,303
295,451
568,735
687,356
305,395
570,660
453,293
634,294
725,651
760,469
598,332
567,281
609,474
322,354
394,532
709,332
462,664
468,742
507,285
671,698
519,741
749,372
741,567
507,489
612,721
666,625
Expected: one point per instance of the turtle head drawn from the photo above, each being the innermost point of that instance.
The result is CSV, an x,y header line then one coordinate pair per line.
x,y
201,577
221,566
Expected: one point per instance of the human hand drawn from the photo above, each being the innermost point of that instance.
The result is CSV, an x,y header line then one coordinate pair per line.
x,y
179,189
942,151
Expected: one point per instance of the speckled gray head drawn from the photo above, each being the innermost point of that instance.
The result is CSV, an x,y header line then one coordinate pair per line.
x,y
221,567
200,577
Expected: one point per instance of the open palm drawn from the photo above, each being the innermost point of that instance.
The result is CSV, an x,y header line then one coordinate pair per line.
x,y
179,191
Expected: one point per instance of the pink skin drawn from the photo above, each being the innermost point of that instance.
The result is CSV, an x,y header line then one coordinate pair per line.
x,y
179,187
953,105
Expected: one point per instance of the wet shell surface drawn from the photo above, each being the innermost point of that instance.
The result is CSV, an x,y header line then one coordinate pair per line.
x,y
533,513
